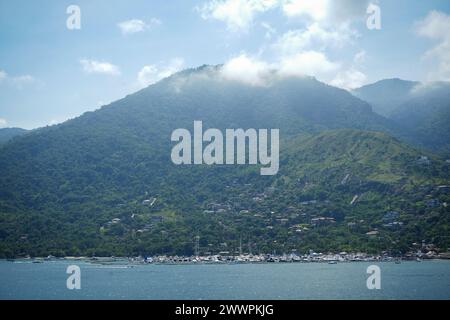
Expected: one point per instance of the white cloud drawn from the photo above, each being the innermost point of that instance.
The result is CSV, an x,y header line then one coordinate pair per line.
x,y
314,36
270,31
436,26
3,75
132,26
310,63
240,14
349,79
304,51
237,14
152,73
360,57
328,26
247,70
136,25
93,66
425,87
326,11
352,77
256,72
148,75
155,21
54,122
17,81
316,9
346,11
21,80
3,123
300,52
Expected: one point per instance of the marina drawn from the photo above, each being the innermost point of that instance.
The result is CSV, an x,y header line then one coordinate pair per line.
x,y
227,258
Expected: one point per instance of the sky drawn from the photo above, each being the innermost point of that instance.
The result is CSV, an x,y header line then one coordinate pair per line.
x,y
51,70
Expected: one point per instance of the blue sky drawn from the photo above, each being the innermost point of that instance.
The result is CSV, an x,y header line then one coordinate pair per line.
x,y
49,73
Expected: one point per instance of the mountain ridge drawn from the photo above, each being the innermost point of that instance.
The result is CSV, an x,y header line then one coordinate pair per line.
x,y
6,134
65,184
421,111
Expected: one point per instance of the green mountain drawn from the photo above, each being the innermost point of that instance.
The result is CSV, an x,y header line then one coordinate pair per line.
x,y
426,116
386,95
104,184
421,112
7,134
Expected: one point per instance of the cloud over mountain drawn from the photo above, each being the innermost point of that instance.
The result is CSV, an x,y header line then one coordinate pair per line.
x,y
150,74
436,26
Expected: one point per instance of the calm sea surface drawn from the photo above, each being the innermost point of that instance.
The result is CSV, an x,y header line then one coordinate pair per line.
x,y
408,280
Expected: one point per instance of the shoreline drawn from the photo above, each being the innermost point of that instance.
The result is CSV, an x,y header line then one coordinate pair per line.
x,y
218,260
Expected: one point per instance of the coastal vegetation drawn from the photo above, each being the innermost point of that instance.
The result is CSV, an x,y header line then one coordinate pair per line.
x,y
104,184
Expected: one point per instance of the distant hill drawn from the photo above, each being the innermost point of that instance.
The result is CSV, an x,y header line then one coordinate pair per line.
x,y
104,184
7,134
421,112
386,95
427,116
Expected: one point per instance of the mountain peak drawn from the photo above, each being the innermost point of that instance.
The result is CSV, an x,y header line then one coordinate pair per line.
x,y
385,95
7,134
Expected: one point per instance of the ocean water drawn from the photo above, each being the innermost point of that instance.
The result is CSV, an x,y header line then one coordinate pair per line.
x,y
408,280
